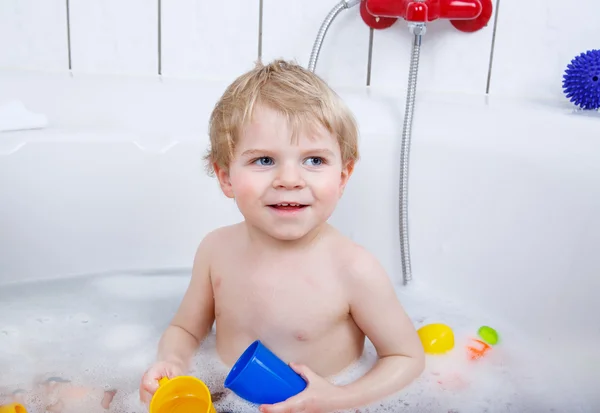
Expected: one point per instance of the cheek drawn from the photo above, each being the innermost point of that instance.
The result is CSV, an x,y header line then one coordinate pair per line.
x,y
328,186
334,192
245,185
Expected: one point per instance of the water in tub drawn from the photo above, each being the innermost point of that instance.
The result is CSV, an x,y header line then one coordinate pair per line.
x,y
102,332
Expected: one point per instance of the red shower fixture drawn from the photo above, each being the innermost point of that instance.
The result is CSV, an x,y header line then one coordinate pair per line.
x,y
465,15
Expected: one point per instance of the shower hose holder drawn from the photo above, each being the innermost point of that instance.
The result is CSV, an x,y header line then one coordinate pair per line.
x,y
465,15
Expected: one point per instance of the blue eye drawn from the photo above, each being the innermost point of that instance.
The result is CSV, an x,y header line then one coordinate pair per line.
x,y
316,161
264,161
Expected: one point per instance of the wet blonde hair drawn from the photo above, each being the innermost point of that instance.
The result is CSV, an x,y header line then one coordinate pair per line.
x,y
298,94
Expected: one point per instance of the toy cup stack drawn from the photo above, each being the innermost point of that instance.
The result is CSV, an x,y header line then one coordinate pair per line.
x,y
12,408
436,338
183,394
260,377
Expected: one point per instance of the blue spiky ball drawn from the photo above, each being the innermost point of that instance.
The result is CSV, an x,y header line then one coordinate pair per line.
x,y
581,81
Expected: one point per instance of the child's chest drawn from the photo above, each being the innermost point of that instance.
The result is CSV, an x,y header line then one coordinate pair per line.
x,y
293,299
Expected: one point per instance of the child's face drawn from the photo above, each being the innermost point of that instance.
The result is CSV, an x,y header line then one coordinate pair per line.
x,y
269,169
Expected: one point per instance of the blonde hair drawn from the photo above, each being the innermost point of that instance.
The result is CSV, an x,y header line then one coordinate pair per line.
x,y
300,95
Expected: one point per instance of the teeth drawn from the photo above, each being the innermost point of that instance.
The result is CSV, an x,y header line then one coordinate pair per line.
x,y
288,204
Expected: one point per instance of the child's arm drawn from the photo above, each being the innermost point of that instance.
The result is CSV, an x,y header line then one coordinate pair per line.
x,y
195,315
189,327
377,311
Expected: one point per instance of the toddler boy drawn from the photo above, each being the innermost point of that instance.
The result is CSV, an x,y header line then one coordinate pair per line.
x,y
283,146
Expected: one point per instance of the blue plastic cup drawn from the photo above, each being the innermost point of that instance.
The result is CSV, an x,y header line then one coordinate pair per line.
x,y
260,377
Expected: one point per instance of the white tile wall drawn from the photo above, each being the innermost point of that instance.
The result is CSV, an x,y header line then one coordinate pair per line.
x,y
290,29
535,41
450,61
114,36
33,34
209,39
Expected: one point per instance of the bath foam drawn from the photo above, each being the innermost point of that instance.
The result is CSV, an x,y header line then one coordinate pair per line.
x,y
151,288
69,328
129,336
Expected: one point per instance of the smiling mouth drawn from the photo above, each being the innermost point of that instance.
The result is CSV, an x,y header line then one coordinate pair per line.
x,y
287,207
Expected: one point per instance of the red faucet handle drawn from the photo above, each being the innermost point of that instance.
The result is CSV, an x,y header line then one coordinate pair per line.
x,y
459,9
416,12
478,23
465,15
375,22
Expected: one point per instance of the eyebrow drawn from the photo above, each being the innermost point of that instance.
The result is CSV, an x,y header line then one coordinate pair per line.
x,y
265,152
324,152
256,152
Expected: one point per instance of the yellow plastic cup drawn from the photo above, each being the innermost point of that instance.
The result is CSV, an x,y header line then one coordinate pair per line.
x,y
13,408
436,338
182,394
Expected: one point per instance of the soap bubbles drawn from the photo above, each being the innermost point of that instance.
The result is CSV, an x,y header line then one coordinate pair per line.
x,y
102,333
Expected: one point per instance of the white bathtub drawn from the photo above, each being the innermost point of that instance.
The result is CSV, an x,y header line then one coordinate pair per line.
x,y
504,195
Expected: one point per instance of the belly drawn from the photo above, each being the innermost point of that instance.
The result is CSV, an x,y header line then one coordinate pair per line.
x,y
318,333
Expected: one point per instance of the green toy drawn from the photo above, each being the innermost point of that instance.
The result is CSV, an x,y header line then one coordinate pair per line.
x,y
488,334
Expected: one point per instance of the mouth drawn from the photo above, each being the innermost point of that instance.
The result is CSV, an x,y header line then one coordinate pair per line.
x,y
287,206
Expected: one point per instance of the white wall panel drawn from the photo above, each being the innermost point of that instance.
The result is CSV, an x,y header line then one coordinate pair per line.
x,y
114,36
33,34
451,60
536,40
212,40
290,29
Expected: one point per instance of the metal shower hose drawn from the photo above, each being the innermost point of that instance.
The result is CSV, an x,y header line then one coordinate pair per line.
x,y
314,55
405,153
418,30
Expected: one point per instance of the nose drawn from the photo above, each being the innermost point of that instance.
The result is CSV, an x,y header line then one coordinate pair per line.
x,y
289,177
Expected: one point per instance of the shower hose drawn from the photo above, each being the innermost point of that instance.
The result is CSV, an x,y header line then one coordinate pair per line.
x,y
417,30
337,9
405,151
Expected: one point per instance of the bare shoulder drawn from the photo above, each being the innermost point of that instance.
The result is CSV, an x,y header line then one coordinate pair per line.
x,y
357,264
213,244
216,240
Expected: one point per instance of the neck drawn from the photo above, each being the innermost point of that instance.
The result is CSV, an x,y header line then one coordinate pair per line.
x,y
268,243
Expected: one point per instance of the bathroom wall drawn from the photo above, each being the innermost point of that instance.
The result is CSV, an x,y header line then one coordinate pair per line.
x,y
498,198
533,42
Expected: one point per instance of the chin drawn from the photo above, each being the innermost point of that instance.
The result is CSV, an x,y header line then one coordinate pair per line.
x,y
288,235
291,234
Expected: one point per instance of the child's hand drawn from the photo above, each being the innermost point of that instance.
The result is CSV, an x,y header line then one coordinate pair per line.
x,y
149,383
316,398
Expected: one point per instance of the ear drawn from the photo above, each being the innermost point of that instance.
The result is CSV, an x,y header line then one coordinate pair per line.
x,y
346,173
224,181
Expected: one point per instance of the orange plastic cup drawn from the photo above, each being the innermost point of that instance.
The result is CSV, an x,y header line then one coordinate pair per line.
x,y
12,408
182,394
